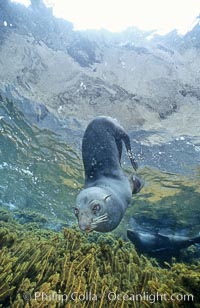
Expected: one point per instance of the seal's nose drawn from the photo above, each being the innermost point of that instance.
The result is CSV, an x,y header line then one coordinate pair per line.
x,y
85,228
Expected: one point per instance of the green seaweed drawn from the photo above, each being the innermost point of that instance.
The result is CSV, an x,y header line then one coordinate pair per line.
x,y
42,268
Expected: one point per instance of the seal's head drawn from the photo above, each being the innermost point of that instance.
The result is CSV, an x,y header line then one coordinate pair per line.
x,y
91,210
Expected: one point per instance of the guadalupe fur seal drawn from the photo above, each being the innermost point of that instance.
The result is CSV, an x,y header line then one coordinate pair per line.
x,y
107,191
157,244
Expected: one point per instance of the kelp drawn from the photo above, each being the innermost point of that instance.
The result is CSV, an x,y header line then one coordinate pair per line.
x,y
42,268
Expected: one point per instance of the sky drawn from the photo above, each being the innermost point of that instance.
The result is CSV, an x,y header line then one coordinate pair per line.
x,y
117,15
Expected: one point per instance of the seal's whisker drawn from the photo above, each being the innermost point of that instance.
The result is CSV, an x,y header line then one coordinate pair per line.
x,y
100,220
100,217
94,225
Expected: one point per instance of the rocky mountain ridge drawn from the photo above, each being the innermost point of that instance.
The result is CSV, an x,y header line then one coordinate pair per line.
x,y
147,84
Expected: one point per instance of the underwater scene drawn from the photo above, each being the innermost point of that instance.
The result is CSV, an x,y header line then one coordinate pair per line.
x,y
46,261
99,154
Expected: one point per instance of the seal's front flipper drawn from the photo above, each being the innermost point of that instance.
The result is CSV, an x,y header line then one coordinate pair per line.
x,y
136,184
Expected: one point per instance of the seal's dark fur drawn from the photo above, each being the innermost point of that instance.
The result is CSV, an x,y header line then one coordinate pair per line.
x,y
102,149
107,191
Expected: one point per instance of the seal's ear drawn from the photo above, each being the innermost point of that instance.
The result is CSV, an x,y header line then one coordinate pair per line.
x,y
106,197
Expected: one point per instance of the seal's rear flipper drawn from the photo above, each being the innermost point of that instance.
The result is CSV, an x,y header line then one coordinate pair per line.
x,y
136,184
127,143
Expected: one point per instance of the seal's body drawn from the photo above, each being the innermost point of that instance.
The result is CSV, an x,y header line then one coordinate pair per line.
x,y
107,191
156,244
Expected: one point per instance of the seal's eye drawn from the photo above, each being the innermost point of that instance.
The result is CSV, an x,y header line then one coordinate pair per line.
x,y
96,208
76,211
